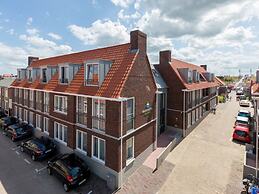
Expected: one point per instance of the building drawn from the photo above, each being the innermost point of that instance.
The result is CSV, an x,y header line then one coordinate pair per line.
x,y
191,94
222,88
5,102
99,103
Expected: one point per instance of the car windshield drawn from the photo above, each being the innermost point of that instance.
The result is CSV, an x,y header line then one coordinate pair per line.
x,y
240,133
19,131
74,171
39,145
242,114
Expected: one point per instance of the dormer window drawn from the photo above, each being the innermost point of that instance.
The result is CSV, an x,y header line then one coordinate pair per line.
x,y
30,75
92,77
190,76
44,75
64,74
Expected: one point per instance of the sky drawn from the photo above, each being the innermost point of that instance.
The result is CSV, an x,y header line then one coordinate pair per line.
x,y
223,34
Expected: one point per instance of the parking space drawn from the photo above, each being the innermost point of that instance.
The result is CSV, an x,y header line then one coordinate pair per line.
x,y
20,175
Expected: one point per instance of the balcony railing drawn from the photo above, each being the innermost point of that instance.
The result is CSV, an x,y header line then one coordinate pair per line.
x,y
98,123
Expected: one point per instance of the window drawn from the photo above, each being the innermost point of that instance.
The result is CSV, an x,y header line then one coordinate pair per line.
x,y
46,125
31,118
98,149
15,94
189,119
46,102
130,149
30,75
60,132
38,100
15,111
92,77
25,97
193,117
82,110
20,113
61,104
99,114
38,121
197,113
75,69
25,116
44,75
64,75
31,98
81,141
20,96
53,71
130,114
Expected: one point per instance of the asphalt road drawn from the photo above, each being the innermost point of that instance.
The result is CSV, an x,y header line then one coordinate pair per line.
x,y
20,175
207,161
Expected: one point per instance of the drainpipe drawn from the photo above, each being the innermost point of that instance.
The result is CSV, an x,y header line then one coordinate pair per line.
x,y
184,134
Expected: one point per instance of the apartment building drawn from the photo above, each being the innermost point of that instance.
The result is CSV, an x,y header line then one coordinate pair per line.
x,y
5,102
191,92
99,103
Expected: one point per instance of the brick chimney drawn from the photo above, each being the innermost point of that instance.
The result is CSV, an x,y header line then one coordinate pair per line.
x,y
138,41
31,59
165,57
204,67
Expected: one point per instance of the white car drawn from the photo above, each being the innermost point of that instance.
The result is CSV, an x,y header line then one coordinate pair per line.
x,y
244,103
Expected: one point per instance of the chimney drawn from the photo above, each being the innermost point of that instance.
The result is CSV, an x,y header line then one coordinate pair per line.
x,y
204,67
31,59
165,57
257,76
138,41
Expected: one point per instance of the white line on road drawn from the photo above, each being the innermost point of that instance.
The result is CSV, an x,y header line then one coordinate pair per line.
x,y
39,170
15,148
27,161
18,153
90,192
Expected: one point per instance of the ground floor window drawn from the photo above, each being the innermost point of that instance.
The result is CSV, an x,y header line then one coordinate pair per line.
x,y
20,113
98,149
38,121
200,111
189,119
197,113
81,141
25,117
193,117
130,149
60,132
46,125
31,118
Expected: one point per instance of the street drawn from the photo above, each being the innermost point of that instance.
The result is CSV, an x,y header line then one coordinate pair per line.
x,y
20,175
207,161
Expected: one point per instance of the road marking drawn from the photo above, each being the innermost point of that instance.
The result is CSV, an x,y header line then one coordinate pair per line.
x,y
90,192
18,153
39,170
15,148
27,161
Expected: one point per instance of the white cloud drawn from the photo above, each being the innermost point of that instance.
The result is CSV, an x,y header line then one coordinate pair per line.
x,y
32,31
29,21
54,36
10,31
123,16
122,3
101,33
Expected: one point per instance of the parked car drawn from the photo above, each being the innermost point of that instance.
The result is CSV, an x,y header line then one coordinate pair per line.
x,y
70,169
19,131
39,148
2,113
244,113
243,121
241,133
239,92
7,121
244,103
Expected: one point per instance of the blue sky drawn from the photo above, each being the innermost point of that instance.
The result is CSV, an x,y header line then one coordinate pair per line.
x,y
222,34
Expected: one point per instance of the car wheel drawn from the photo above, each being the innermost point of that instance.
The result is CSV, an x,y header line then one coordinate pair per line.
x,y
65,186
33,157
49,171
22,149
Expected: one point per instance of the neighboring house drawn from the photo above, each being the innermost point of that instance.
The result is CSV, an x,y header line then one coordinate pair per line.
x,y
5,102
192,92
100,103
222,88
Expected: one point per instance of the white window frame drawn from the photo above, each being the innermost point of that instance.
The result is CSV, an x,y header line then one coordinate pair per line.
x,y
46,125
129,160
31,99
20,113
38,122
46,102
67,73
25,115
98,115
97,158
133,114
86,73
81,147
64,104
31,114
60,127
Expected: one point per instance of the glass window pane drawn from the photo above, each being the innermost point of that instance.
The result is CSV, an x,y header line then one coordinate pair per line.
x,y
95,147
84,142
79,143
102,150
65,134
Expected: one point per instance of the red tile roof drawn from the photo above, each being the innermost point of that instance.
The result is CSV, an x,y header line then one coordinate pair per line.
x,y
122,61
220,82
177,64
255,89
